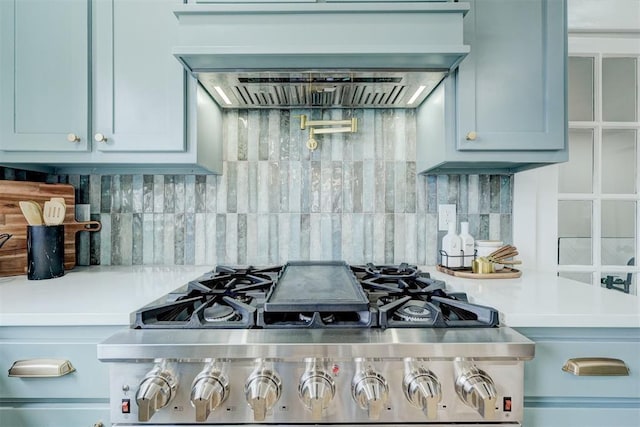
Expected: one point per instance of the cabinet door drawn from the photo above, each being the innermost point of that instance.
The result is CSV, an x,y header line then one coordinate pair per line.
x,y
43,75
139,87
511,87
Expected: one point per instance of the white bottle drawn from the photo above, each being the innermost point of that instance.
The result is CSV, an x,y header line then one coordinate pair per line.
x,y
468,244
452,245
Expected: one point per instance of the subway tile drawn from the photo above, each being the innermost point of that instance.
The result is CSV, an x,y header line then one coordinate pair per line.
x,y
199,239
400,187
105,239
232,187
169,194
242,187
284,133
284,237
137,239
221,238
242,239
231,126
274,187
263,135
473,189
252,187
95,193
189,238
116,194
295,187
169,237
148,238
410,187
264,188
242,136
158,193
253,135
357,197
336,187
273,240
158,238
179,194
200,196
389,187
506,194
105,194
484,190
147,193
211,192
494,195
284,186
190,194
294,236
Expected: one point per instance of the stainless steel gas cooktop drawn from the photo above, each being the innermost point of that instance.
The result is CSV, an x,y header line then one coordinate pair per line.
x,y
319,343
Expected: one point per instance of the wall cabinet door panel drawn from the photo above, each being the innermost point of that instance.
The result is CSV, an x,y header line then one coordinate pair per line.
x,y
44,75
139,87
511,86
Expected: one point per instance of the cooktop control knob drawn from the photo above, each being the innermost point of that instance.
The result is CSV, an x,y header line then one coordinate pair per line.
x,y
262,390
156,390
475,387
210,388
422,389
370,390
316,389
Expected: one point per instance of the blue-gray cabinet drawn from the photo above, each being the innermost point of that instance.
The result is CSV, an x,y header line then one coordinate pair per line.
x,y
127,78
80,398
44,75
504,108
555,398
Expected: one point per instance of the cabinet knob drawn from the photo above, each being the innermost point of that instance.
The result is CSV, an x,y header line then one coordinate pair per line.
x,y
100,137
72,137
471,136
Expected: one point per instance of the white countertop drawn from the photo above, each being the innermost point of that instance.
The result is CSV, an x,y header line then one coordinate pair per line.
x,y
539,299
100,295
93,295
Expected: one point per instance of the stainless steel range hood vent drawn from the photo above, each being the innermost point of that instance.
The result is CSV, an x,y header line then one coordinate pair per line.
x,y
324,55
336,89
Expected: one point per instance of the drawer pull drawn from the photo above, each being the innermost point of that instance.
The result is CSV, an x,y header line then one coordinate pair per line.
x,y
596,366
40,368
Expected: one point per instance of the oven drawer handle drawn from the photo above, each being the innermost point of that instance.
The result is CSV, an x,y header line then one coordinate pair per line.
x,y
596,366
41,368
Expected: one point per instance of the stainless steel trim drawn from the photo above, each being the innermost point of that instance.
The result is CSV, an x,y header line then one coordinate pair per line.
x,y
41,368
337,344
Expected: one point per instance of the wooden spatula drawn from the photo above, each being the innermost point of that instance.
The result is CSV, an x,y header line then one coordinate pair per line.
x,y
31,211
54,212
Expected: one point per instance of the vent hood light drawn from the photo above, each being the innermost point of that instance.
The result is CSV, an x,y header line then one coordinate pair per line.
x,y
223,95
416,95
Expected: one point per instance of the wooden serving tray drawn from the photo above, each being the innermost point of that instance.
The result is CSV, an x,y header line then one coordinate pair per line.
x,y
505,273
13,254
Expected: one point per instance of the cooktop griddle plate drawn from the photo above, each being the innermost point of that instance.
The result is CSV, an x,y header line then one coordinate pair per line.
x,y
318,287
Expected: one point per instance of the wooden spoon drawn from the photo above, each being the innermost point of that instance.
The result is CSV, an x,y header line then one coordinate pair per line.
x,y
54,212
31,211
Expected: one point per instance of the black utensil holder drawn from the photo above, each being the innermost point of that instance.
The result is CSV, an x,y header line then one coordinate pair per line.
x,y
45,251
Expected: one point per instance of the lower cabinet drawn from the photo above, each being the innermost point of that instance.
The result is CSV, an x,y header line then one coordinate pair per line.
x,y
554,397
79,398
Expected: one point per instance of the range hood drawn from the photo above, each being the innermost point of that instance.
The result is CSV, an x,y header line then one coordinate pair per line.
x,y
321,55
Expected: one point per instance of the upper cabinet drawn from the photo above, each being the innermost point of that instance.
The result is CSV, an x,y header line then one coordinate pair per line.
x,y
137,97
504,109
44,75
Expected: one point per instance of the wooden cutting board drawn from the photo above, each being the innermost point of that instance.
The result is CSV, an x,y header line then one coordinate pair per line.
x,y
13,253
505,273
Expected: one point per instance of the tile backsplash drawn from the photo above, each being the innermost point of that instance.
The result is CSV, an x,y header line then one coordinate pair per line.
x,y
357,198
